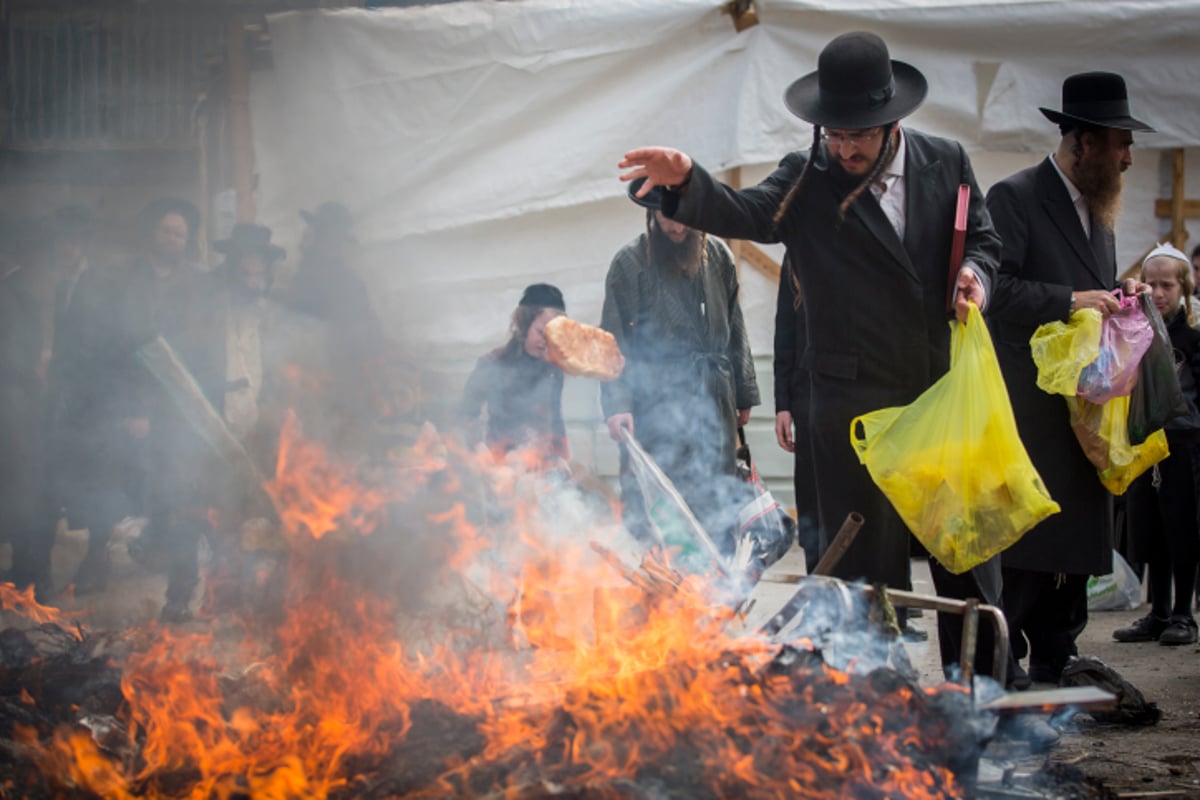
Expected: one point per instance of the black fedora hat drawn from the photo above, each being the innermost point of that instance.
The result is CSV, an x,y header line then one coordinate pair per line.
x,y
653,198
331,219
856,85
1096,98
248,238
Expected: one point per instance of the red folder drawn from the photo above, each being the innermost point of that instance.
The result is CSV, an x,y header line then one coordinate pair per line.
x,y
959,243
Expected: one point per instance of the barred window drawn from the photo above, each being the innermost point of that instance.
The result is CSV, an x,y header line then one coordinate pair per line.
x,y
109,78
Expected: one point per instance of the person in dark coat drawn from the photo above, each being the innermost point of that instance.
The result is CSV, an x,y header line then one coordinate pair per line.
x,y
20,428
672,302
159,293
327,289
1056,224
520,389
867,215
1161,504
66,367
792,393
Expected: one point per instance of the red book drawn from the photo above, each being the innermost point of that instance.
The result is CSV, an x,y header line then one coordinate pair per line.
x,y
959,243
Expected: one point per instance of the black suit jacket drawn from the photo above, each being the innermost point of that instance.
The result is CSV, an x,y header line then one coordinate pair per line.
x,y
877,326
1046,256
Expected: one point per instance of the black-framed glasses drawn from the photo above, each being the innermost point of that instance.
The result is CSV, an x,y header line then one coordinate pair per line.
x,y
856,138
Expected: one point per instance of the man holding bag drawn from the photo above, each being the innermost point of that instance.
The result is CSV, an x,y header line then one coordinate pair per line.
x,y
867,215
1056,223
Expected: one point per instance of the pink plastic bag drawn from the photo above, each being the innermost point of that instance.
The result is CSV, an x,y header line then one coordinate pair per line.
x,y
1124,338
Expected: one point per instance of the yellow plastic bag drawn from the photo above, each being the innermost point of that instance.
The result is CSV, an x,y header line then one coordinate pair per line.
x,y
1061,350
951,462
1103,432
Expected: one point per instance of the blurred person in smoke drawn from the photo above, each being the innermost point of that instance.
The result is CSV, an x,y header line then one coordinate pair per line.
x,y
1056,222
327,289
160,292
20,422
64,367
1162,503
867,216
239,339
671,300
521,390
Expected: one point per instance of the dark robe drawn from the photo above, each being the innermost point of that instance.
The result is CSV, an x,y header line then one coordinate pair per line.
x,y
523,396
688,369
1046,256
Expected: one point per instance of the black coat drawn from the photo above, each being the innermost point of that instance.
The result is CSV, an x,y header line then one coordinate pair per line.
x,y
1046,256
877,326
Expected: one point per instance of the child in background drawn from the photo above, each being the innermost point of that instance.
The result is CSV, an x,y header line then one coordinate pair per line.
x,y
1162,503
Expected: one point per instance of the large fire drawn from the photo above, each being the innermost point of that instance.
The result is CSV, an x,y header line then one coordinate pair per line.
x,y
529,667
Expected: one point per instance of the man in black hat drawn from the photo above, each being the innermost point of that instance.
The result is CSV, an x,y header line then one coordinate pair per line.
x,y
327,290
128,439
235,344
671,300
867,215
1056,222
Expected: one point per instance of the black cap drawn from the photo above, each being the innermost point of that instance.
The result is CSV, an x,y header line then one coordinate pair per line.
x,y
543,295
248,238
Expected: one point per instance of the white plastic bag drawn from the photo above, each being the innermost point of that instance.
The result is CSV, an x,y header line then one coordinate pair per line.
x,y
1121,590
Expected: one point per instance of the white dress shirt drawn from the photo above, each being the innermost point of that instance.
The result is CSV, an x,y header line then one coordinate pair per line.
x,y
890,192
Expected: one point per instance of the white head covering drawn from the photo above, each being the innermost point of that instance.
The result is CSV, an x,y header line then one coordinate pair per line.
x,y
1169,250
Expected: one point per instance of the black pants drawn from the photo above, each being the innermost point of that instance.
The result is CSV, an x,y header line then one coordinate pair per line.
x,y
1046,613
1164,531
982,583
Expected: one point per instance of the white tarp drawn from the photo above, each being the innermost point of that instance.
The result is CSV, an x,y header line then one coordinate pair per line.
x,y
477,142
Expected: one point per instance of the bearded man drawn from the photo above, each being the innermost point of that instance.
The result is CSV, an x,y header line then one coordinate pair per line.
x,y
671,302
1056,224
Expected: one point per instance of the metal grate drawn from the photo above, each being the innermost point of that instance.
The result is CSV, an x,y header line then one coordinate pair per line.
x,y
123,78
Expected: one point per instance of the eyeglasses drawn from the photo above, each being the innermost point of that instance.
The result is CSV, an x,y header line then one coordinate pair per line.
x,y
856,138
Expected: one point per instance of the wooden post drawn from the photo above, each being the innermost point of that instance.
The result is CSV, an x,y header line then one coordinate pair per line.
x,y
239,120
1178,232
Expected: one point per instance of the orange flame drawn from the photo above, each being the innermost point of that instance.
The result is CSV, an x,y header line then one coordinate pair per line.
x,y
592,683
22,602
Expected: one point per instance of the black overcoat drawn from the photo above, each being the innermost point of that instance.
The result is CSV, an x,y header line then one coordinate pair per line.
x,y
1046,256
876,320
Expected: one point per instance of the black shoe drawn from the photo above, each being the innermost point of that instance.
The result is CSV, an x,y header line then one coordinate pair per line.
x,y
1179,630
1146,629
1044,673
175,613
1034,731
1019,681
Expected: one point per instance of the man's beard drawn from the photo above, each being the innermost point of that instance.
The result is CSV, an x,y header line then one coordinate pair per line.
x,y
1099,180
683,258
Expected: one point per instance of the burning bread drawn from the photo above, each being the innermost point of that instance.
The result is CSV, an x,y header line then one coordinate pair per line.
x,y
579,349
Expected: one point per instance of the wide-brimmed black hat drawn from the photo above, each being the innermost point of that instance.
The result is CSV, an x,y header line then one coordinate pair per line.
x,y
1096,98
156,209
248,238
856,85
543,295
653,198
330,219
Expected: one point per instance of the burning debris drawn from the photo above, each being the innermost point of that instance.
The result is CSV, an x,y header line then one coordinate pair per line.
x,y
533,662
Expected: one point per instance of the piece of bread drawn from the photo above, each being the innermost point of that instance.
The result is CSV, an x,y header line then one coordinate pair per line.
x,y
583,350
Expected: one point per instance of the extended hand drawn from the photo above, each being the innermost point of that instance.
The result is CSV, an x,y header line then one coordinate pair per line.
x,y
743,416
783,431
619,425
1102,301
660,166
